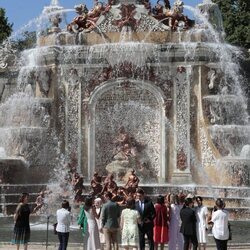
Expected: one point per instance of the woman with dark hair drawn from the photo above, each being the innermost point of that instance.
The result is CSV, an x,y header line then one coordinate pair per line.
x,y
201,212
87,220
130,218
188,224
161,222
220,225
63,223
21,218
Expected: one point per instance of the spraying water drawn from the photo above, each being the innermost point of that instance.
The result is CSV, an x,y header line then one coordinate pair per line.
x,y
178,98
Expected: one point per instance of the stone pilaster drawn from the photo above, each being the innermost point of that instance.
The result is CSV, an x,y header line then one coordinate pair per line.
x,y
181,169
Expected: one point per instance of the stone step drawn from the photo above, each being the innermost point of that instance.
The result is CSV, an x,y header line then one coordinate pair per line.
x,y
236,198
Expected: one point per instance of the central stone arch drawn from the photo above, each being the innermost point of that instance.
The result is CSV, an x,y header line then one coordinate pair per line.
x,y
136,105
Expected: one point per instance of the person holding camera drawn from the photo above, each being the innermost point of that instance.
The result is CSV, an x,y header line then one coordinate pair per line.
x,y
220,225
63,222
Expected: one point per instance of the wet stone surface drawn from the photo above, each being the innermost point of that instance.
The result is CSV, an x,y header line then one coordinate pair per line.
x,y
240,230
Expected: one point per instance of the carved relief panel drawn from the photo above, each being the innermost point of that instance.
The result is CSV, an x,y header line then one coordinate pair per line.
x,y
182,122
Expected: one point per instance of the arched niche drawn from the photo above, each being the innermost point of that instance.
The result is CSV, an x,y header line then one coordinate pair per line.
x,y
138,106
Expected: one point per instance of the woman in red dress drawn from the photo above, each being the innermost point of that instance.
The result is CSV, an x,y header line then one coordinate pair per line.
x,y
161,222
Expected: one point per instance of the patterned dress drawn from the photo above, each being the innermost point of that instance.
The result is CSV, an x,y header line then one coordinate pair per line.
x,y
130,233
21,233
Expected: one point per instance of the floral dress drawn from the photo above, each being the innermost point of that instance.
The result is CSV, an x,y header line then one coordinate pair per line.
x,y
130,233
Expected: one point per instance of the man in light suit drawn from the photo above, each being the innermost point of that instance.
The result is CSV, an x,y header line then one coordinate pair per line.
x,y
146,209
188,225
110,221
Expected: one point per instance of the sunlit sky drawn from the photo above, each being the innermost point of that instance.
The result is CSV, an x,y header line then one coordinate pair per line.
x,y
21,12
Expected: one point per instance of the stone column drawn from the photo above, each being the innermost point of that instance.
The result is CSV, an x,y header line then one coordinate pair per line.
x,y
181,169
72,120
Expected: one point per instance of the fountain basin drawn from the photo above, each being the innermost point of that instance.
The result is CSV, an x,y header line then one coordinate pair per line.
x,y
156,37
225,110
229,139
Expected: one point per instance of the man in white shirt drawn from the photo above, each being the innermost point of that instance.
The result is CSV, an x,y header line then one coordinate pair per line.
x,y
63,223
220,225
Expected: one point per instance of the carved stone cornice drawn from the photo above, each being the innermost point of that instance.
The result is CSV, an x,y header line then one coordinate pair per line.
x,y
160,78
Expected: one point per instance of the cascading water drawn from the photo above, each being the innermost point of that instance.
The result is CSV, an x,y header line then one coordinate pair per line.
x,y
229,110
170,83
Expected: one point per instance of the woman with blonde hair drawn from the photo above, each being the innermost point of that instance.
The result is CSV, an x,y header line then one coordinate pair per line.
x,y
176,240
98,208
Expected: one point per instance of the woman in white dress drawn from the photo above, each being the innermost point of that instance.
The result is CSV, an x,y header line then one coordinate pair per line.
x,y
201,223
91,234
130,218
98,208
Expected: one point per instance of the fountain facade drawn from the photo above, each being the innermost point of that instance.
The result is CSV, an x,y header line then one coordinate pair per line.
x,y
169,84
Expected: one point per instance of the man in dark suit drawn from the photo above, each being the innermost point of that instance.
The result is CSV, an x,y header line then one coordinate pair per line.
x,y
109,221
147,211
188,226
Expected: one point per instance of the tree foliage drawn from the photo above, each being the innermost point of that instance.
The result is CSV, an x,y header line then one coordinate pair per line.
x,y
27,41
5,26
236,20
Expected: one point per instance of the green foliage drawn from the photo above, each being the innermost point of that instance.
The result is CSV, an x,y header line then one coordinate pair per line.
x,y
236,20
27,41
5,27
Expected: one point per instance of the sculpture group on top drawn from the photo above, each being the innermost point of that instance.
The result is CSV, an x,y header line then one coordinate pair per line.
x,y
129,15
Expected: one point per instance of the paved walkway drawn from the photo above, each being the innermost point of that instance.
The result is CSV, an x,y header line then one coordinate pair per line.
x,y
7,246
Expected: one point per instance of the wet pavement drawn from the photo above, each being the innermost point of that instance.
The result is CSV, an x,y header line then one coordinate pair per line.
x,y
40,235
7,246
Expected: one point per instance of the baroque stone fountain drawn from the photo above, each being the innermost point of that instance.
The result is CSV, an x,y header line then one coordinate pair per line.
x,y
124,86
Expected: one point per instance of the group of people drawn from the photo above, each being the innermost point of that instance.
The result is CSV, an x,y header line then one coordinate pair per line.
x,y
172,220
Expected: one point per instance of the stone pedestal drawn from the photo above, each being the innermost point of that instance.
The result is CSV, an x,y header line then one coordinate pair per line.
x,y
181,178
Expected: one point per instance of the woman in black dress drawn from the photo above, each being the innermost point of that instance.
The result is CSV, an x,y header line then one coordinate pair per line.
x,y
21,218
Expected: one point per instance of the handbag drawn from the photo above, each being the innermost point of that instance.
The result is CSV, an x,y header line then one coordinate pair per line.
x,y
54,225
230,232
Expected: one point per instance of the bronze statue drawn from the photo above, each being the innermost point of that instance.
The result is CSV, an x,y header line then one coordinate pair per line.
x,y
80,22
109,184
39,201
96,184
171,17
132,183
